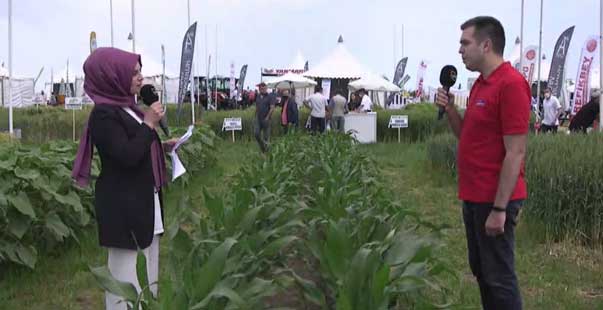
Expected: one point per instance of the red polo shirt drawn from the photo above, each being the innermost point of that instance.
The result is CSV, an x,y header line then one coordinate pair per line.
x,y
498,106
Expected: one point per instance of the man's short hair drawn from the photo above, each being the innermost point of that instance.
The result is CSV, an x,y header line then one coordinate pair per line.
x,y
318,89
487,27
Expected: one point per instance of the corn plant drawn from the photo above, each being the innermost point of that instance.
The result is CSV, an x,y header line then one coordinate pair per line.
x,y
314,206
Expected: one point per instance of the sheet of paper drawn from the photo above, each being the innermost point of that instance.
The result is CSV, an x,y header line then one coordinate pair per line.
x,y
178,168
184,138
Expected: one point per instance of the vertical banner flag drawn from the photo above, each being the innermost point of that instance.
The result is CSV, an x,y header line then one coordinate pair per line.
x,y
242,78
587,57
326,88
530,56
420,77
232,85
555,81
404,80
92,41
306,67
186,63
400,68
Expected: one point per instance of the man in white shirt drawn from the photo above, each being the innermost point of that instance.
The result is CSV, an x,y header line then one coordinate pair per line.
x,y
366,103
318,104
552,110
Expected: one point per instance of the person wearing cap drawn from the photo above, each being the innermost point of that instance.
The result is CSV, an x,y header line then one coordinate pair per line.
x,y
264,106
552,110
289,113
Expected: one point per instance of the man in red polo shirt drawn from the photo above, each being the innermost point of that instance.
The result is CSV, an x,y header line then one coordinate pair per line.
x,y
492,146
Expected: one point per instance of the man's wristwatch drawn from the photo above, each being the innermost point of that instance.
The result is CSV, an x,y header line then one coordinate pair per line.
x,y
499,209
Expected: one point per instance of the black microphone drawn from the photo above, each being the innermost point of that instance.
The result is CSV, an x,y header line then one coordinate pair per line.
x,y
149,96
447,79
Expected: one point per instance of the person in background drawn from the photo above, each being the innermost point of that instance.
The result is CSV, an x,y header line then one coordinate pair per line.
x,y
318,104
353,103
552,110
493,136
289,112
128,197
338,107
264,106
366,103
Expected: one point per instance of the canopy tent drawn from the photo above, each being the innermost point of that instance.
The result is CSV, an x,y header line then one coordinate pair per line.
x,y
516,53
299,62
339,64
290,80
374,83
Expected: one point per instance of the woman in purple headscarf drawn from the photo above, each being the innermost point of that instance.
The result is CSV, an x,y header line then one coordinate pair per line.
x,y
128,197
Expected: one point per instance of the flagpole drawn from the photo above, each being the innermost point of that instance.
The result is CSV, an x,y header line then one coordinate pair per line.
x,y
216,77
539,54
600,63
133,29
402,43
10,67
111,17
395,43
521,38
192,71
207,94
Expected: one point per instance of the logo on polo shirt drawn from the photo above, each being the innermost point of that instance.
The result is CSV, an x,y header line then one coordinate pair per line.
x,y
480,103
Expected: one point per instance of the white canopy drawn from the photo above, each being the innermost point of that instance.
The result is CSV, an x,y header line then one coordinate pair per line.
x,y
298,62
339,64
290,80
516,53
374,83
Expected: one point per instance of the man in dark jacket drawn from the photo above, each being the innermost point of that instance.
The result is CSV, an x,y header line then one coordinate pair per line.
x,y
289,113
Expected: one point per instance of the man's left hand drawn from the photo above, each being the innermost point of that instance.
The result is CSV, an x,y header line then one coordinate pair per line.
x,y
495,224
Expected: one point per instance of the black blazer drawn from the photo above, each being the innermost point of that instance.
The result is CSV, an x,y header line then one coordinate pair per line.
x,y
292,112
124,198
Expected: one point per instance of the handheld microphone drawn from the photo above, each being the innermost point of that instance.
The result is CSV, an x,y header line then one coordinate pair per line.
x,y
149,96
447,79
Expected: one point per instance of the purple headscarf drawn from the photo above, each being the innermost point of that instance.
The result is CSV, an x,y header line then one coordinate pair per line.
x,y
108,78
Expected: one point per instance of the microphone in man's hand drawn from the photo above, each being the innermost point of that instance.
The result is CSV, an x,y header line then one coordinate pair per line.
x,y
149,96
447,79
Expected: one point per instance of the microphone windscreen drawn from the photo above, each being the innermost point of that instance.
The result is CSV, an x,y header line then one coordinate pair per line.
x,y
149,94
448,76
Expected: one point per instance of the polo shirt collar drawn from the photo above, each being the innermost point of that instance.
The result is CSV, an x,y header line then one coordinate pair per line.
x,y
496,74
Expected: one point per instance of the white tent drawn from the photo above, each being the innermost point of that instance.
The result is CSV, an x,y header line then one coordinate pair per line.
x,y
374,83
516,53
298,62
290,80
339,64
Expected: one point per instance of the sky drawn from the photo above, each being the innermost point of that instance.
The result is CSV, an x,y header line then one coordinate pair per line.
x,y
269,33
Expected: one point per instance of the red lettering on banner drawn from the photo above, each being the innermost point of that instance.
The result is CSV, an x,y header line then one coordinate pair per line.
x,y
581,85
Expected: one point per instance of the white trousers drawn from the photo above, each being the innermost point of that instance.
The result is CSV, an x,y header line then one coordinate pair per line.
x,y
122,265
